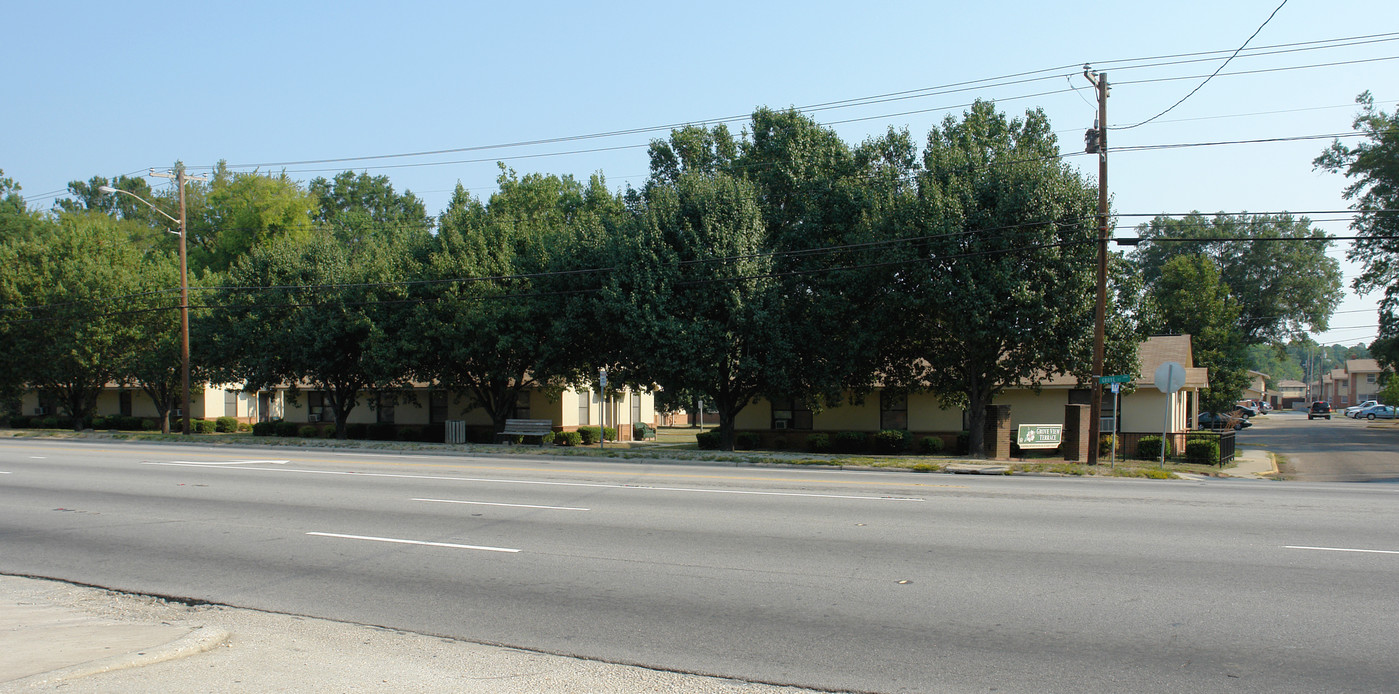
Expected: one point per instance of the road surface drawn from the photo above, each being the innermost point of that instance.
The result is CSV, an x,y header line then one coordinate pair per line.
x,y
840,580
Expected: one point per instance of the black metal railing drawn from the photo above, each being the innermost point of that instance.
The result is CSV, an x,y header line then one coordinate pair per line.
x,y
1147,446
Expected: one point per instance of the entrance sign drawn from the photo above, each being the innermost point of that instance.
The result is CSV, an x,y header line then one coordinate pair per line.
x,y
1039,435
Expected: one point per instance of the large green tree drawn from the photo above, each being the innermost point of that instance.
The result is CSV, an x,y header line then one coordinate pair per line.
x,y
1189,298
996,280
70,294
494,319
356,206
310,311
1373,169
1276,267
699,313
235,212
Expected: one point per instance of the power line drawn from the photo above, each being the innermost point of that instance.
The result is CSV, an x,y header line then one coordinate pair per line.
x,y
1207,79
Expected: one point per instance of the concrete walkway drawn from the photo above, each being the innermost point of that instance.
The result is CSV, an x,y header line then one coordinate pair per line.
x,y
60,637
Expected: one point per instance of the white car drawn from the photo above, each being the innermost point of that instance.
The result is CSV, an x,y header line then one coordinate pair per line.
x,y
1354,410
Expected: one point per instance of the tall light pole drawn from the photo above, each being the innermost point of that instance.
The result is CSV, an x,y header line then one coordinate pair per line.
x,y
180,179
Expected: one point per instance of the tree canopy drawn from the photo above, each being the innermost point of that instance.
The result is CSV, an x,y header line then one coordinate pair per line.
x,y
1373,169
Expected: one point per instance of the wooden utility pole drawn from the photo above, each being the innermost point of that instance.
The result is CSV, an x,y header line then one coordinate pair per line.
x,y
186,405
1097,140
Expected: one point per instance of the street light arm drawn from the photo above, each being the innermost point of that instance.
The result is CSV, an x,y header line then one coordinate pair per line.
x,y
147,203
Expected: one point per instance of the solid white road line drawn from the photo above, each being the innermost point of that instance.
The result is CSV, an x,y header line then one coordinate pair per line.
x,y
488,503
229,462
1344,549
592,485
415,542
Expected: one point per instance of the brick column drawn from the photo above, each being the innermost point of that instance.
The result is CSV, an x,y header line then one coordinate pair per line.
x,y
998,432
1076,433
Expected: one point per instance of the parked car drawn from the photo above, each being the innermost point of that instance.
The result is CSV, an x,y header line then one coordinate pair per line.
x,y
1354,410
1319,409
1376,412
1217,421
1247,408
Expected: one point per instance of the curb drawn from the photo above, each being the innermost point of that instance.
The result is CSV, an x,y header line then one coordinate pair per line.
x,y
200,640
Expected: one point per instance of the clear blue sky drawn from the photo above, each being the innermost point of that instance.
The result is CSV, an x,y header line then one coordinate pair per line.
x,y
116,88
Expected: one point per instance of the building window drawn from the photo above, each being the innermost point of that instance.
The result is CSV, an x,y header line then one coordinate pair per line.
x,y
124,403
384,410
521,409
1369,378
893,410
583,397
635,408
787,413
437,406
230,403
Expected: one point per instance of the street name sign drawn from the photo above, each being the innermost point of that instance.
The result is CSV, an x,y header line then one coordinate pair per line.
x,y
1120,378
1039,435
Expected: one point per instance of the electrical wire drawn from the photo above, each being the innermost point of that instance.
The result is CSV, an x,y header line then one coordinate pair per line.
x,y
1207,79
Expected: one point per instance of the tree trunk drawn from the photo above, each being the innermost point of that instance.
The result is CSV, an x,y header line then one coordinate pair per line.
x,y
343,404
976,423
726,427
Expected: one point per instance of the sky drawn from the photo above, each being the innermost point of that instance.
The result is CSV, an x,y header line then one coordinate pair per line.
x,y
117,88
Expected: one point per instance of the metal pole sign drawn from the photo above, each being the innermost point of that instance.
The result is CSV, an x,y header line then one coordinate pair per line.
x,y
1170,377
602,409
1112,458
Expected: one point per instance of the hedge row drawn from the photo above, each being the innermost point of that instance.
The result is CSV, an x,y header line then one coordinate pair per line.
x,y
889,441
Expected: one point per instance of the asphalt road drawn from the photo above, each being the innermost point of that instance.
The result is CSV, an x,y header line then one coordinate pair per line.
x,y
840,580
1336,450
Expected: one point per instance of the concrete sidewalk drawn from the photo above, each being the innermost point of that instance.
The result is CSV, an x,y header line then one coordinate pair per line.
x,y
1253,463
59,637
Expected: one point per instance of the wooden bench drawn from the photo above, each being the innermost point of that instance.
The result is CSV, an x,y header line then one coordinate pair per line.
x,y
543,428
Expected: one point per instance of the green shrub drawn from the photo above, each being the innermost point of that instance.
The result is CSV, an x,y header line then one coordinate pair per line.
x,y
1202,451
708,440
1149,448
1105,444
129,423
931,445
201,426
850,442
264,429
357,430
286,429
48,423
818,443
328,431
226,425
410,433
779,443
146,424
747,441
65,422
308,431
610,433
245,426
890,441
568,438
383,431
98,423
589,435
19,421
964,442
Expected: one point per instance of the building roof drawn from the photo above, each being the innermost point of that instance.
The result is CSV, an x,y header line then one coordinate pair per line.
x,y
1338,375
1364,366
1159,349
